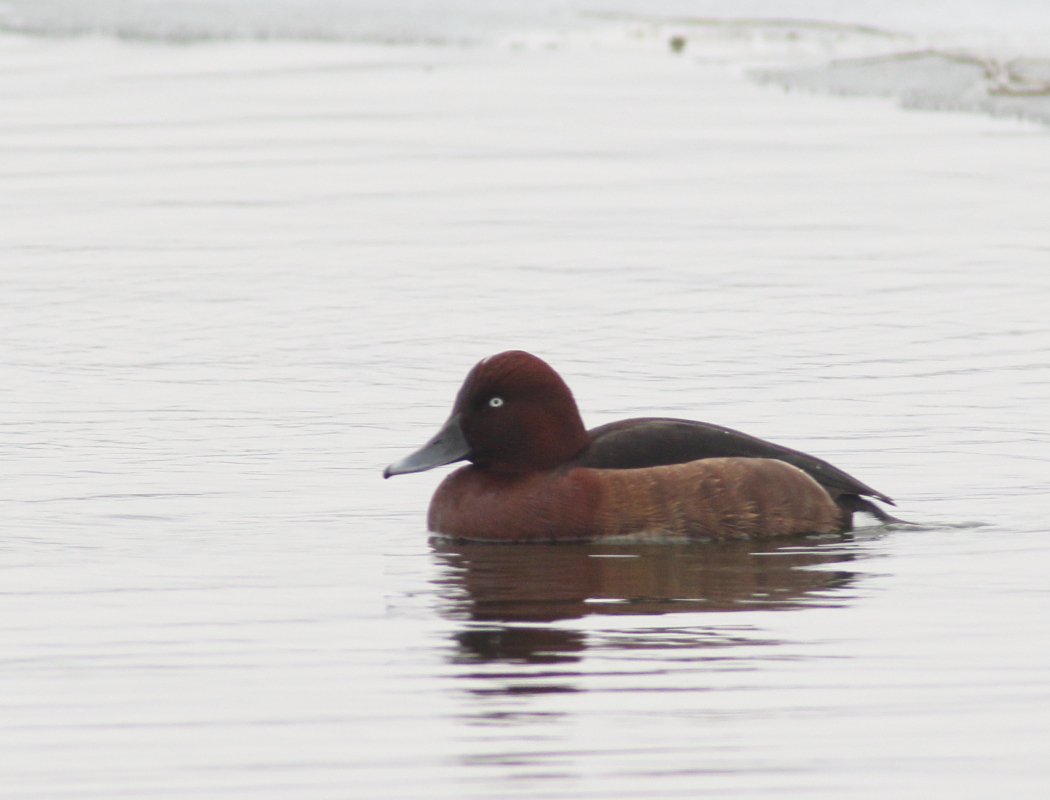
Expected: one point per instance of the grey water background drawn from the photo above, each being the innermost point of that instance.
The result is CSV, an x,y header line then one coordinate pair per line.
x,y
239,277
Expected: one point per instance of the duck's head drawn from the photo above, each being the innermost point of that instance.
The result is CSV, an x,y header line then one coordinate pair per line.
x,y
513,414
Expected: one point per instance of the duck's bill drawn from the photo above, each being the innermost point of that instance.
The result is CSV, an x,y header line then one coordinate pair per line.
x,y
447,446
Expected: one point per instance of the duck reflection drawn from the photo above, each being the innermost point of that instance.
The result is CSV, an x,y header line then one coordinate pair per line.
x,y
498,589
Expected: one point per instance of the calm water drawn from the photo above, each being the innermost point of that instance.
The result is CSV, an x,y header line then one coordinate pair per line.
x,y
238,278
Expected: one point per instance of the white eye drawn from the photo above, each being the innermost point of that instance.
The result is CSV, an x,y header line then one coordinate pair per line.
x,y
496,402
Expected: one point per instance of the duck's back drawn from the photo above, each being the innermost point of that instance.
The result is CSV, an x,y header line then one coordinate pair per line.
x,y
659,441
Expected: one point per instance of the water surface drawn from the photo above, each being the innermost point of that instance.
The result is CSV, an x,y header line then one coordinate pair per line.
x,y
238,278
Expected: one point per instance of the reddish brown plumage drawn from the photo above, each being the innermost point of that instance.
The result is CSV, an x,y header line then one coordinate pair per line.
x,y
713,498
476,503
538,426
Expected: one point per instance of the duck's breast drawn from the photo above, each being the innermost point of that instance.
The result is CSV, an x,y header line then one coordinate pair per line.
x,y
483,505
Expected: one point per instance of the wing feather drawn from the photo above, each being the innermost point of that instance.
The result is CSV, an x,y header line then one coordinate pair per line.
x,y
658,441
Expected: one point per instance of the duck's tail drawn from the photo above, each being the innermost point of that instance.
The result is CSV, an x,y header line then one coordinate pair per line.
x,y
852,503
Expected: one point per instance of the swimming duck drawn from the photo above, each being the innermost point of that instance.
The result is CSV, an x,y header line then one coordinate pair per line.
x,y
536,474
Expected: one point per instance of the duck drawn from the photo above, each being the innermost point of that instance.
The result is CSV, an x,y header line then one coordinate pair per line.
x,y
536,474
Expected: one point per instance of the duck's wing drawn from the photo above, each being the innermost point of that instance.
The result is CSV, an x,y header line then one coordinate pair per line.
x,y
657,441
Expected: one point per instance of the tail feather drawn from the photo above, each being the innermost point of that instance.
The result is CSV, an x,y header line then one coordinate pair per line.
x,y
852,503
